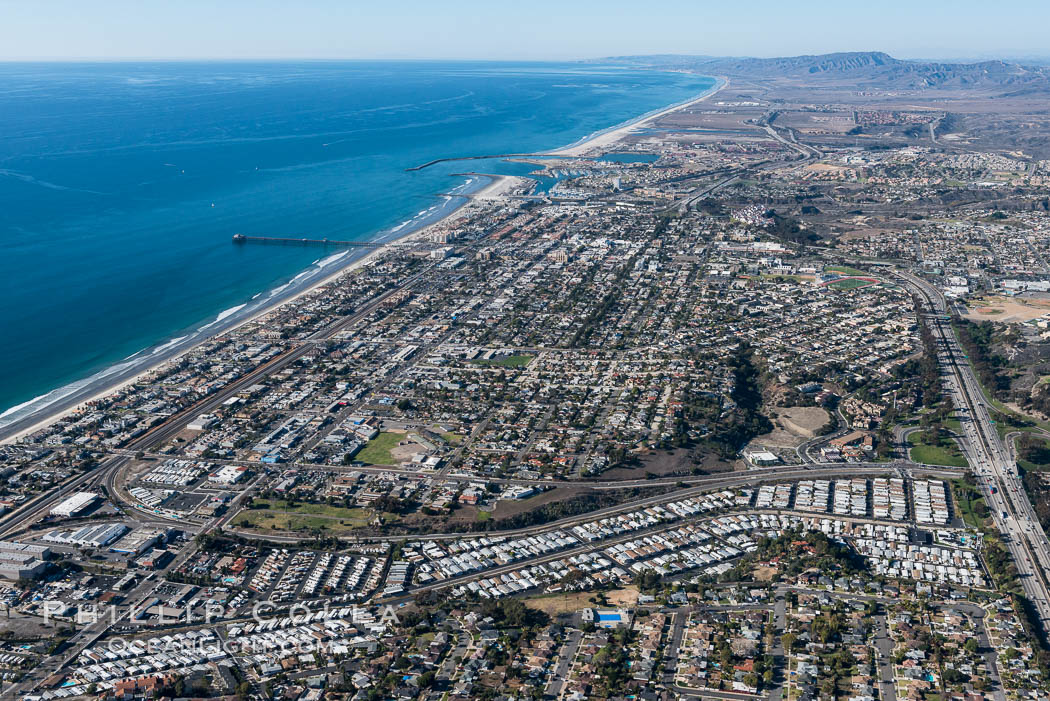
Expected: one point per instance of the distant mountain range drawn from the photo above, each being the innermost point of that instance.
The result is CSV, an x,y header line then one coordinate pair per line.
x,y
872,67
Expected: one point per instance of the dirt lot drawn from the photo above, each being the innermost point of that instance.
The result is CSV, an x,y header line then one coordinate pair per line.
x,y
826,168
31,628
765,574
554,604
814,123
1005,309
777,438
803,420
405,449
793,426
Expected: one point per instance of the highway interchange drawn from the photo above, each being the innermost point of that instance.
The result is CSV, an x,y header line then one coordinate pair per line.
x,y
992,461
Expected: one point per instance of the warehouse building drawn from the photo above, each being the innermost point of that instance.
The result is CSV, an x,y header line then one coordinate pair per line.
x,y
40,551
74,505
20,565
95,535
139,541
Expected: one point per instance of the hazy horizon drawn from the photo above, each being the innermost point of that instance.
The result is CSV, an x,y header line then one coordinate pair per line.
x,y
121,30
1037,59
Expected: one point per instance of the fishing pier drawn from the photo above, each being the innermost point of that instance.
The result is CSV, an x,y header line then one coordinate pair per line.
x,y
289,241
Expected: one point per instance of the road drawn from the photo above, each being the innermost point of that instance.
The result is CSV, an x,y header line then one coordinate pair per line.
x,y
109,471
984,449
137,597
679,617
697,486
450,475
92,632
731,175
884,648
112,470
175,424
991,659
993,464
780,668
450,665
561,670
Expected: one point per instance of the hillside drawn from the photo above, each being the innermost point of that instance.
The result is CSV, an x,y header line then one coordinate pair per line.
x,y
864,67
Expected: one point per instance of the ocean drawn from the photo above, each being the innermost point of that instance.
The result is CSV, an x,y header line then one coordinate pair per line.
x,y
121,184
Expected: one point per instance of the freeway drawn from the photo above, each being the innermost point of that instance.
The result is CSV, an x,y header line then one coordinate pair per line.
x,y
805,152
392,470
993,465
736,479
690,486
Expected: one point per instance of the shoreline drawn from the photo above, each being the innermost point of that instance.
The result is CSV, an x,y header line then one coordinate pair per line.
x,y
26,419
607,137
23,419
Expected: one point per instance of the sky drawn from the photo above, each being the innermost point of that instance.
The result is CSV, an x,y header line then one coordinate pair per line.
x,y
515,29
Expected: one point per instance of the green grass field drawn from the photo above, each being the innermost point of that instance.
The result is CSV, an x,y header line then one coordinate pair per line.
x,y
507,361
935,454
277,521
967,498
452,438
845,270
849,284
377,450
276,514
342,512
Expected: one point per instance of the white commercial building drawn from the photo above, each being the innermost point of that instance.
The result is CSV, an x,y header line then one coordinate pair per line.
x,y
75,504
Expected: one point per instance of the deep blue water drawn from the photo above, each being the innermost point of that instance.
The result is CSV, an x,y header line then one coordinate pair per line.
x,y
122,184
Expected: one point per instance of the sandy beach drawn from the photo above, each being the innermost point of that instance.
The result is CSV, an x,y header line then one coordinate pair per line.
x,y
500,186
94,390
112,382
604,139
27,419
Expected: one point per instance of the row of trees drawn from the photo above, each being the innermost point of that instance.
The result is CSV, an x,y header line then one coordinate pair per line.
x,y
745,420
1034,452
978,337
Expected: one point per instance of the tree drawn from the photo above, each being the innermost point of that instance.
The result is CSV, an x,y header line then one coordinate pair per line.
x,y
954,676
725,656
648,580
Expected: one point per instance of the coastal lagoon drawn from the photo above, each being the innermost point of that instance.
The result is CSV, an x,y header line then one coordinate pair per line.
x,y
122,184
